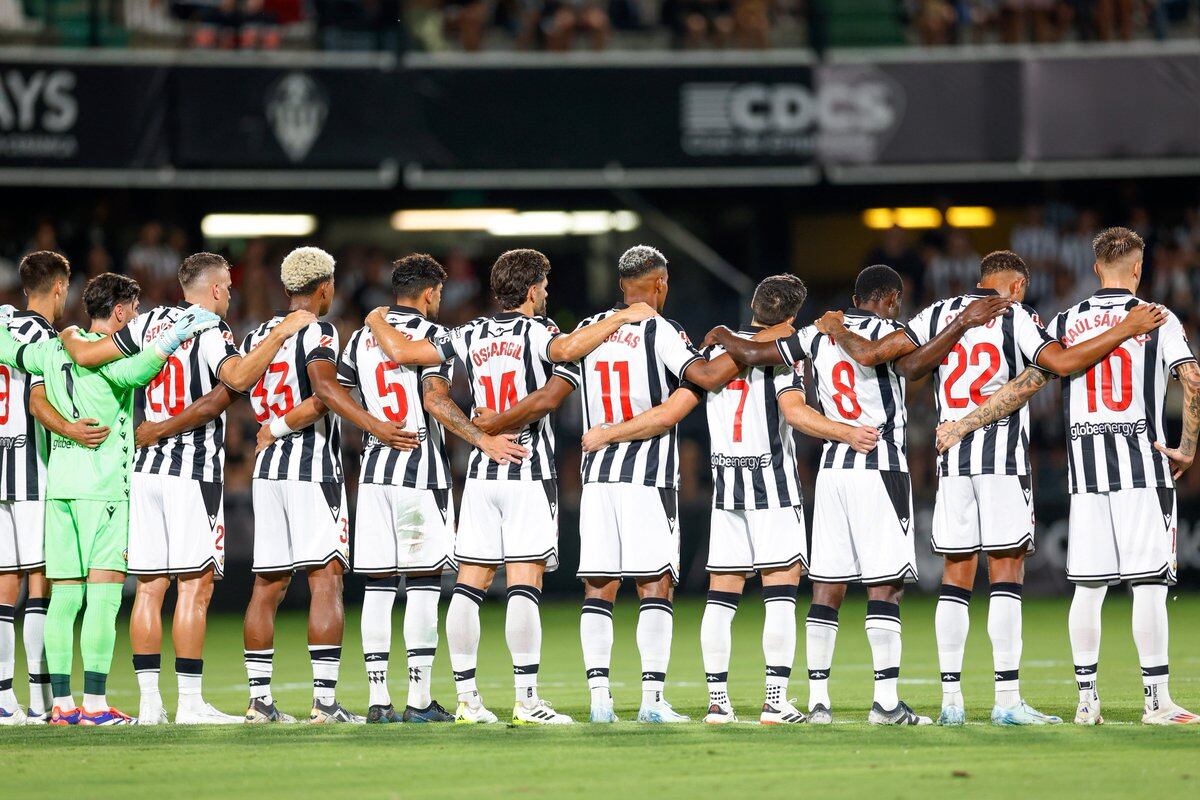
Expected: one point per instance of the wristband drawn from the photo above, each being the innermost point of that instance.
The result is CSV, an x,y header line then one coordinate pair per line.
x,y
280,428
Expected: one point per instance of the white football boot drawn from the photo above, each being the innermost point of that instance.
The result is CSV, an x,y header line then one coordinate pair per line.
x,y
660,712
719,714
202,713
782,713
468,714
541,713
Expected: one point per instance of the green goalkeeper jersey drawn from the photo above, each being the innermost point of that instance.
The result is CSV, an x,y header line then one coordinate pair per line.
x,y
105,394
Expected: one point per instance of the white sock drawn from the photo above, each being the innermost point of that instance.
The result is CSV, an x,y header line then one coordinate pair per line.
x,y
326,660
421,635
1150,635
34,633
596,637
1004,628
716,642
259,666
8,658
952,621
147,667
883,632
189,674
376,627
95,703
656,622
462,637
523,632
779,639
820,629
1083,623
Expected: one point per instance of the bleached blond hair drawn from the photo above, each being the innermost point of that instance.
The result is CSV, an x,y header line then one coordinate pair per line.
x,y
304,267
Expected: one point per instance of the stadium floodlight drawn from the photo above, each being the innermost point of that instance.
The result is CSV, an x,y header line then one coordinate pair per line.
x,y
248,226
970,216
510,222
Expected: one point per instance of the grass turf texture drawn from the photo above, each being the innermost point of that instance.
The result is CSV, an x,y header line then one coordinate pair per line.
x,y
850,760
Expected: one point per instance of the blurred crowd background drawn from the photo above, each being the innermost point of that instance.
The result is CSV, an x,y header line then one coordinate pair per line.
x,y
472,25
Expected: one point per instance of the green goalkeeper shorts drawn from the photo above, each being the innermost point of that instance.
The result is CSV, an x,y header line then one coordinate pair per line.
x,y
83,535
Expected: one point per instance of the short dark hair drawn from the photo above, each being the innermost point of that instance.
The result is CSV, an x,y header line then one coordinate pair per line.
x,y
640,259
876,282
514,272
1002,261
310,288
40,269
106,291
778,299
415,273
1113,244
196,265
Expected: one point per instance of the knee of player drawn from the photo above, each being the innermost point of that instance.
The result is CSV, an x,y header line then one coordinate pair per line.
x,y
888,593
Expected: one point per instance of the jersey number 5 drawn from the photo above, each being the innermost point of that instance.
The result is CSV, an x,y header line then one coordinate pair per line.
x,y
400,411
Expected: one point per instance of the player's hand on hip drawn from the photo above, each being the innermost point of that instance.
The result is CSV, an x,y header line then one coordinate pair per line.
x,y
830,321
264,440
862,439
503,449
946,436
146,435
1179,461
295,322
638,312
87,432
596,438
7,312
777,331
394,436
984,310
1143,318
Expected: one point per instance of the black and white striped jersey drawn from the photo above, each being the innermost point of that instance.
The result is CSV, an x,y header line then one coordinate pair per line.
x,y
507,356
850,393
1113,412
24,443
190,373
314,453
636,369
983,360
753,450
394,393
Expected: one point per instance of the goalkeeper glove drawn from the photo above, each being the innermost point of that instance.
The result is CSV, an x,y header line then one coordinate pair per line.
x,y
195,321
6,314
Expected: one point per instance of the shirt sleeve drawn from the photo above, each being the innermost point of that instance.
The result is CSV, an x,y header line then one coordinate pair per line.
x,y
671,344
443,371
1175,348
320,343
796,348
29,358
569,371
920,329
39,335
1030,336
216,347
450,343
129,338
788,379
543,331
347,365
135,371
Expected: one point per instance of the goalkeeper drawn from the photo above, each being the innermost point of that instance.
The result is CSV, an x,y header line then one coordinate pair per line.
x,y
87,493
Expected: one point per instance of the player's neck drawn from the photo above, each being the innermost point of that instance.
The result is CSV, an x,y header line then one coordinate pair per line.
x,y
1128,284
43,305
878,309
634,296
205,302
106,326
526,308
414,302
308,303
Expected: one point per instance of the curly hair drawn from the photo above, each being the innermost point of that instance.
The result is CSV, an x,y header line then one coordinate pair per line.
x,y
304,269
514,272
106,291
638,260
778,299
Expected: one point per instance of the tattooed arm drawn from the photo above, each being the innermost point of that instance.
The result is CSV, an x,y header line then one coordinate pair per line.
x,y
1181,457
503,449
1007,399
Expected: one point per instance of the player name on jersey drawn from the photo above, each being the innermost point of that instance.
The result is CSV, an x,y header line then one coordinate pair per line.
x,y
188,375
635,369
1113,413
314,453
395,393
852,394
984,359
24,444
753,451
507,357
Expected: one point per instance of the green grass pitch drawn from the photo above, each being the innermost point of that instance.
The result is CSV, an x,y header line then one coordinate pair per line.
x,y
848,760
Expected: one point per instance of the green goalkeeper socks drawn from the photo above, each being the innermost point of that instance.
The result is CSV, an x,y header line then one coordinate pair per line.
x,y
99,633
65,601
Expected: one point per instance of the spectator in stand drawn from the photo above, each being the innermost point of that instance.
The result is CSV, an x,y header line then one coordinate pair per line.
x,y
699,23
896,250
468,19
151,258
555,23
1110,18
230,24
956,269
1038,243
752,23
1043,17
935,21
1075,251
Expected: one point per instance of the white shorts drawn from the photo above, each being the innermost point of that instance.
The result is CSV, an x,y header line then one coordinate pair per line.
x,y
21,535
502,521
299,524
983,512
400,530
1124,535
628,531
863,527
176,525
756,540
